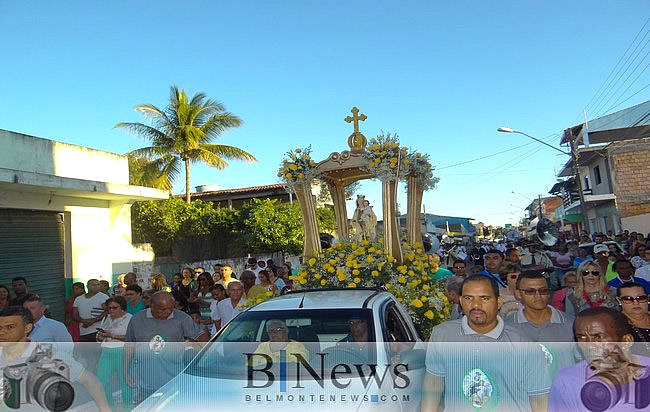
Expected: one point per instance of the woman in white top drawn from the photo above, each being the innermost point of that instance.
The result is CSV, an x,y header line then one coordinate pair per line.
x,y
111,333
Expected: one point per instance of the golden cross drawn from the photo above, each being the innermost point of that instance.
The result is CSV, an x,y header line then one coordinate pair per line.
x,y
355,118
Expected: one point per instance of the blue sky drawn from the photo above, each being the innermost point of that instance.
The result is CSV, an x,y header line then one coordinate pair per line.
x,y
443,75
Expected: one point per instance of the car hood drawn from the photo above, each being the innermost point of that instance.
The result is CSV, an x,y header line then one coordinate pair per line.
x,y
188,393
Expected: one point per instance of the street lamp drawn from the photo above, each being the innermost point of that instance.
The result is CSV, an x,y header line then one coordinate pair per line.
x,y
517,193
576,169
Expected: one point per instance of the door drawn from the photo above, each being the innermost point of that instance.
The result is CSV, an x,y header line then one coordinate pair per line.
x,y
32,246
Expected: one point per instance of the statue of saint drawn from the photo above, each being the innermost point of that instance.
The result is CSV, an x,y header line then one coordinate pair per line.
x,y
364,221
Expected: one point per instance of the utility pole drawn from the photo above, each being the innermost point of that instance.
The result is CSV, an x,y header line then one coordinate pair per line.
x,y
576,172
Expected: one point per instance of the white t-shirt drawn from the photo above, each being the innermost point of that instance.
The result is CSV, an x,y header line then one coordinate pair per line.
x,y
643,272
224,312
90,308
115,327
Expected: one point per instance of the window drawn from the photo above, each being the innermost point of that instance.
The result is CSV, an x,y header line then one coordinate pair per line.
x,y
586,183
597,175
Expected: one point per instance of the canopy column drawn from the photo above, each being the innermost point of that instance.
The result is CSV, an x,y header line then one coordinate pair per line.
x,y
413,219
391,225
308,209
337,191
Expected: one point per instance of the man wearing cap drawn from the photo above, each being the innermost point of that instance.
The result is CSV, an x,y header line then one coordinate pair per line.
x,y
601,252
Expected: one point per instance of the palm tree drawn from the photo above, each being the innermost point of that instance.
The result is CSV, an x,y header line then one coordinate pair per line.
x,y
184,131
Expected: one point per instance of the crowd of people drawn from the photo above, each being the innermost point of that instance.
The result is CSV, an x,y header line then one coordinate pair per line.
x,y
585,292
585,289
190,307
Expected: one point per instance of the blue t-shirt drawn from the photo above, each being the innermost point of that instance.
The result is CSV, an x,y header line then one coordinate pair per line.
x,y
616,282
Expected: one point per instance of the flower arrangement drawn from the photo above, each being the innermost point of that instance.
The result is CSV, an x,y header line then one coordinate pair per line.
x,y
351,265
386,159
298,168
252,301
420,167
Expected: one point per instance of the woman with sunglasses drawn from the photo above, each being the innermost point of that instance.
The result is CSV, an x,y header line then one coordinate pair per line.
x,y
633,300
592,290
509,274
111,334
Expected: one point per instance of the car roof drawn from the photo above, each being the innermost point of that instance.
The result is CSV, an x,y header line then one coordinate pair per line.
x,y
324,299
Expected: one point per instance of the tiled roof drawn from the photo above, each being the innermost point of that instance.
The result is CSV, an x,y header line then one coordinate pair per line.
x,y
251,189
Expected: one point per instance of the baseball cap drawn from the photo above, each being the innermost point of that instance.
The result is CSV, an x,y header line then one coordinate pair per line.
x,y
600,248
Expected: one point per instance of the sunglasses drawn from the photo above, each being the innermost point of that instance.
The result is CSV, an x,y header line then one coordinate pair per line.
x,y
630,299
277,330
533,292
592,272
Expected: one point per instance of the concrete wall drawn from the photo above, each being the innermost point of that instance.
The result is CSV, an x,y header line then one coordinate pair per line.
x,y
604,187
98,232
61,159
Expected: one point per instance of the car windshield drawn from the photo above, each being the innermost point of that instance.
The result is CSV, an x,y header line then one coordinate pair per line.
x,y
316,336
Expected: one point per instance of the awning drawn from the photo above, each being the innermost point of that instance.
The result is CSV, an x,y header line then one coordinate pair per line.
x,y
573,218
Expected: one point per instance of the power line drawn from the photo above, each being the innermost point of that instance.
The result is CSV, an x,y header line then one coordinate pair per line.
x,y
613,69
494,154
605,102
617,103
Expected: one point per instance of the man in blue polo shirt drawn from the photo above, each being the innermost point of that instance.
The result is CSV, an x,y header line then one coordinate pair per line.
x,y
625,273
493,369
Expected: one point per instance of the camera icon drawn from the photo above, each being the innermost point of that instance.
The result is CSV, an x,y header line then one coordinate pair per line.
x,y
603,390
42,379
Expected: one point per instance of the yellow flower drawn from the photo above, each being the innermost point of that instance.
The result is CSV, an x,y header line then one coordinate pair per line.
x,y
318,276
390,259
326,266
426,287
341,277
352,285
380,265
424,298
303,281
355,272
428,314
300,175
417,303
258,300
401,279
405,162
288,175
411,273
365,243
323,282
392,165
402,269
370,259
312,163
372,250
312,261
387,286
357,280
341,255
298,150
332,262
268,293
374,273
293,166
330,269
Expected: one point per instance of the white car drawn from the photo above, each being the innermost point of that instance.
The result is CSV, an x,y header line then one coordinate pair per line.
x,y
384,373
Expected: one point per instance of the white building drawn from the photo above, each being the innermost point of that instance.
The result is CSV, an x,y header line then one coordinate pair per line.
x,y
65,215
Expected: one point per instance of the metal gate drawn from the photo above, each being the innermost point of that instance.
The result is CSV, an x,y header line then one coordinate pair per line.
x,y
32,246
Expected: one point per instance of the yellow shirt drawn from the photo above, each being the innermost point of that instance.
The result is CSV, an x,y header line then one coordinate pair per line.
x,y
292,349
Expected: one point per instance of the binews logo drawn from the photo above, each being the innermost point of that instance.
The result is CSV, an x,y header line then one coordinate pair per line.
x,y
262,366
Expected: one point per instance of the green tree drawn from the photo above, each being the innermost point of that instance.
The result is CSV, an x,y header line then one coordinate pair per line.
x,y
183,132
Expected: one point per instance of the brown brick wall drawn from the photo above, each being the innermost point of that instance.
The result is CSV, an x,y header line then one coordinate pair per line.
x,y
630,167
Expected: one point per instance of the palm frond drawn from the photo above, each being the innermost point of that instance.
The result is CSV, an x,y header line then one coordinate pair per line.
x,y
218,124
228,152
143,131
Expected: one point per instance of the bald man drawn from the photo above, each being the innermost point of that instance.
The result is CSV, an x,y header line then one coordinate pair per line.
x,y
160,332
